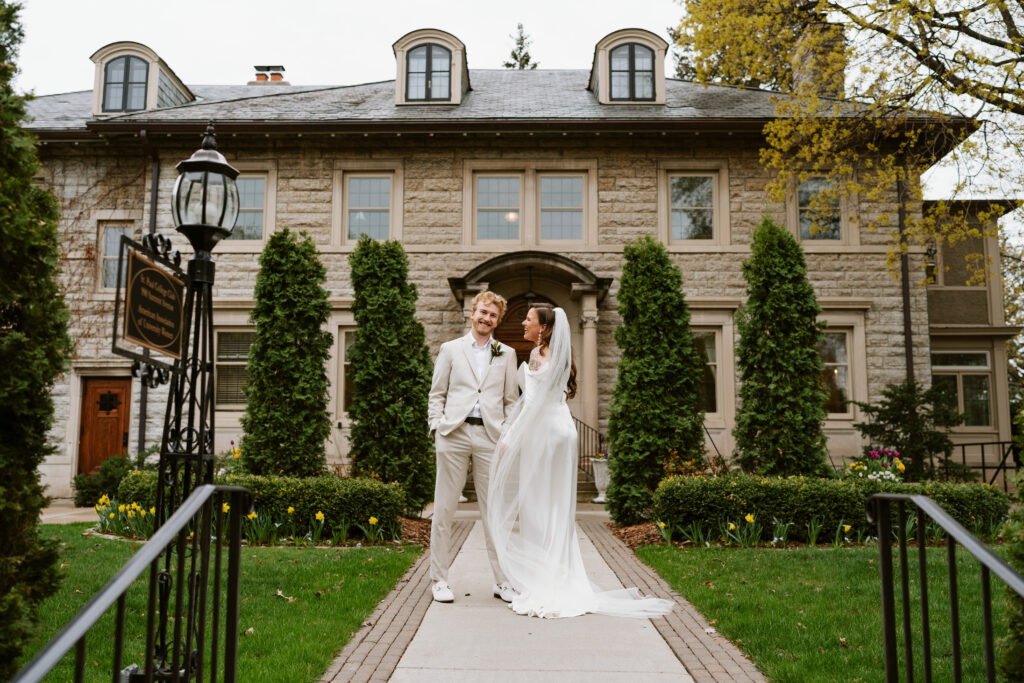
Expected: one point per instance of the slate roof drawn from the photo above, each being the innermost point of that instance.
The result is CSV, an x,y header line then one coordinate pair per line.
x,y
498,96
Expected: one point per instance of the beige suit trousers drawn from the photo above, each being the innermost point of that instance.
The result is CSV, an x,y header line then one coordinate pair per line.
x,y
453,452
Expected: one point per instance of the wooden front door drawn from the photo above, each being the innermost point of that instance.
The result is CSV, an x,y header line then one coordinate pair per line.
x,y
105,406
510,330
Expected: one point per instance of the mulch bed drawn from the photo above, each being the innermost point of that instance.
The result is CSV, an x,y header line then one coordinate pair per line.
x,y
638,535
415,530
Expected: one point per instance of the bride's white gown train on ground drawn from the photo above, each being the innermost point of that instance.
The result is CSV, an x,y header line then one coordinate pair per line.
x,y
532,502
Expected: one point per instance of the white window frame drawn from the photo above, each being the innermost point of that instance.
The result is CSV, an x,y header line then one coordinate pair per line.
x,y
530,171
718,169
848,317
102,256
344,333
847,412
716,332
958,371
218,406
459,76
268,170
849,235
343,170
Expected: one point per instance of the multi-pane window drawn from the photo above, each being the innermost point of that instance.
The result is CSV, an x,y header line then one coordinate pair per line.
x,y
632,72
368,206
818,212
428,73
705,343
252,192
966,377
124,84
561,207
498,207
110,237
692,206
347,383
836,374
230,370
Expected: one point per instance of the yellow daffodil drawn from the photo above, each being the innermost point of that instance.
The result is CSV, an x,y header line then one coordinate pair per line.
x,y
225,507
251,515
661,524
901,467
732,526
152,511
290,509
120,508
846,528
111,515
142,513
373,520
749,518
319,516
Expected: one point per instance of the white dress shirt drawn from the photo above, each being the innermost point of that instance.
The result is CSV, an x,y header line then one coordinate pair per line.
x,y
482,358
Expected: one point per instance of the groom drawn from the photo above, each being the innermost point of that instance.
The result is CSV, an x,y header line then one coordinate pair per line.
x,y
472,392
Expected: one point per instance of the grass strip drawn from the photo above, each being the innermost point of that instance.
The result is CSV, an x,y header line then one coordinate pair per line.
x,y
300,606
815,614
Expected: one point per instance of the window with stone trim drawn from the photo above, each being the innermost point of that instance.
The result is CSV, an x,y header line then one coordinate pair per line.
x,y
230,369
706,341
110,234
252,207
346,337
124,84
966,377
818,211
834,350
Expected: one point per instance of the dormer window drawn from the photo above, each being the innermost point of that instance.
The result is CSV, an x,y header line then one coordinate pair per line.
x,y
124,84
431,68
131,77
629,67
632,72
429,75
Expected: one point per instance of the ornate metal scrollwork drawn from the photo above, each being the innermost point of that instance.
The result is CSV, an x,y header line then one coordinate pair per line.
x,y
150,375
160,246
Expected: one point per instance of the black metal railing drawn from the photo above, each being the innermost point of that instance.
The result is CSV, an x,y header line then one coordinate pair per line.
x,y
879,512
183,656
589,443
995,461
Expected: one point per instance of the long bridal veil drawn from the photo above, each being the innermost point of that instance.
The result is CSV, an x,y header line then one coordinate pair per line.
x,y
532,501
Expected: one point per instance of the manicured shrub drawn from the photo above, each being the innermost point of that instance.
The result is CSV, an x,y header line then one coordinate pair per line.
x,y
34,347
391,372
681,501
286,422
656,411
782,395
1011,646
89,487
342,501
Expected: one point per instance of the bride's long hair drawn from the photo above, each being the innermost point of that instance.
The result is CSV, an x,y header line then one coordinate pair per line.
x,y
546,317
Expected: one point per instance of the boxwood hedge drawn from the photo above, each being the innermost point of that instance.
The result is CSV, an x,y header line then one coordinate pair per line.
x,y
681,501
352,501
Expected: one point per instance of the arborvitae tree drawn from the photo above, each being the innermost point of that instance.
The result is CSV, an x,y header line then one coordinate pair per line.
x,y
34,347
391,373
656,403
782,398
520,57
286,422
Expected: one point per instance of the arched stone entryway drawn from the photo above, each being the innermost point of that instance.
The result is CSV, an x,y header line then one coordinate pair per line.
x,y
525,276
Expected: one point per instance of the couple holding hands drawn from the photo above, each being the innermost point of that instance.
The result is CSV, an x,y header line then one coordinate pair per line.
x,y
523,449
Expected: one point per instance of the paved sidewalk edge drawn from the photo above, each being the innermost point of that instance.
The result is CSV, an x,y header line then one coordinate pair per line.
x,y
706,654
374,651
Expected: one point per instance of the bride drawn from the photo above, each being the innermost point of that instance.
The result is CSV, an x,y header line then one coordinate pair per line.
x,y
534,485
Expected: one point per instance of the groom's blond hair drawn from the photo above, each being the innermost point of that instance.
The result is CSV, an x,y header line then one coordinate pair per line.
x,y
487,298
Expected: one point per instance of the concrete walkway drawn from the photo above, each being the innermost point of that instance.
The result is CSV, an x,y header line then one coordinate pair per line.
x,y
410,638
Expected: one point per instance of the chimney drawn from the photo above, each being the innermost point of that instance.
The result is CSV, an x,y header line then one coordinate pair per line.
x,y
818,59
269,74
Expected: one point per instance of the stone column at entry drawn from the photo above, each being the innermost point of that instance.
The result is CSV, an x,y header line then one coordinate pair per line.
x,y
588,366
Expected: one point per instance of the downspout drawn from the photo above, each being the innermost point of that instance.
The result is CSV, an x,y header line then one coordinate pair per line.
x,y
153,192
908,335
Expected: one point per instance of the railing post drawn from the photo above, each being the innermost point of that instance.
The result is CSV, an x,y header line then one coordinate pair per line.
x,y
884,528
231,613
908,643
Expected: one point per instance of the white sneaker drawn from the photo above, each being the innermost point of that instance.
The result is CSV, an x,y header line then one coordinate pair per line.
x,y
504,592
442,592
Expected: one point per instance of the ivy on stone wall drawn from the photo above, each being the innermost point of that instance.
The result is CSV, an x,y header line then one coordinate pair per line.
x,y
391,372
782,397
286,423
656,404
34,348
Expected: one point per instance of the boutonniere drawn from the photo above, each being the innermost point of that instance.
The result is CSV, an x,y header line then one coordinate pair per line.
x,y
496,350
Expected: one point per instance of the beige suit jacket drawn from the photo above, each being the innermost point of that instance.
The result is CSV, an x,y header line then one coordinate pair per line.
x,y
456,387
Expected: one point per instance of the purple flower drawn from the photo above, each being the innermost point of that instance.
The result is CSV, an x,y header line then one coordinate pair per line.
x,y
885,464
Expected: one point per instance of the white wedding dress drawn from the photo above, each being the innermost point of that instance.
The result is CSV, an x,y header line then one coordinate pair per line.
x,y
532,502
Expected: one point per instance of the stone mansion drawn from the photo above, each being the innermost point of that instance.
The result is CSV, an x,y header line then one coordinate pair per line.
x,y
529,183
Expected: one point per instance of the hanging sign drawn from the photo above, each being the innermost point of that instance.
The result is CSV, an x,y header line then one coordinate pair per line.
x,y
154,306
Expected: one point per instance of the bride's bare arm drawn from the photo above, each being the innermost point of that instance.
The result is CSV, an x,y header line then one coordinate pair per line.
x,y
536,359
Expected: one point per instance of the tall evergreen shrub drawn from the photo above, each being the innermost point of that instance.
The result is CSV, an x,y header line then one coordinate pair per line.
x,y
656,403
34,347
391,373
286,422
782,397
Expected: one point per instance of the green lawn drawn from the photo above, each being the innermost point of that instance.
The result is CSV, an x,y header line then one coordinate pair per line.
x,y
326,594
790,610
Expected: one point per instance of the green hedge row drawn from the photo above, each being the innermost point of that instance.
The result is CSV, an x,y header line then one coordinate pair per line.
x,y
681,501
348,501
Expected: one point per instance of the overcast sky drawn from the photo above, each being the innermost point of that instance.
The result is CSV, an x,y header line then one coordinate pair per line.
x,y
319,42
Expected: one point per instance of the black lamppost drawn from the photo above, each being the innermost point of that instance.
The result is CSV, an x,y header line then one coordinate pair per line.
x,y
205,206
